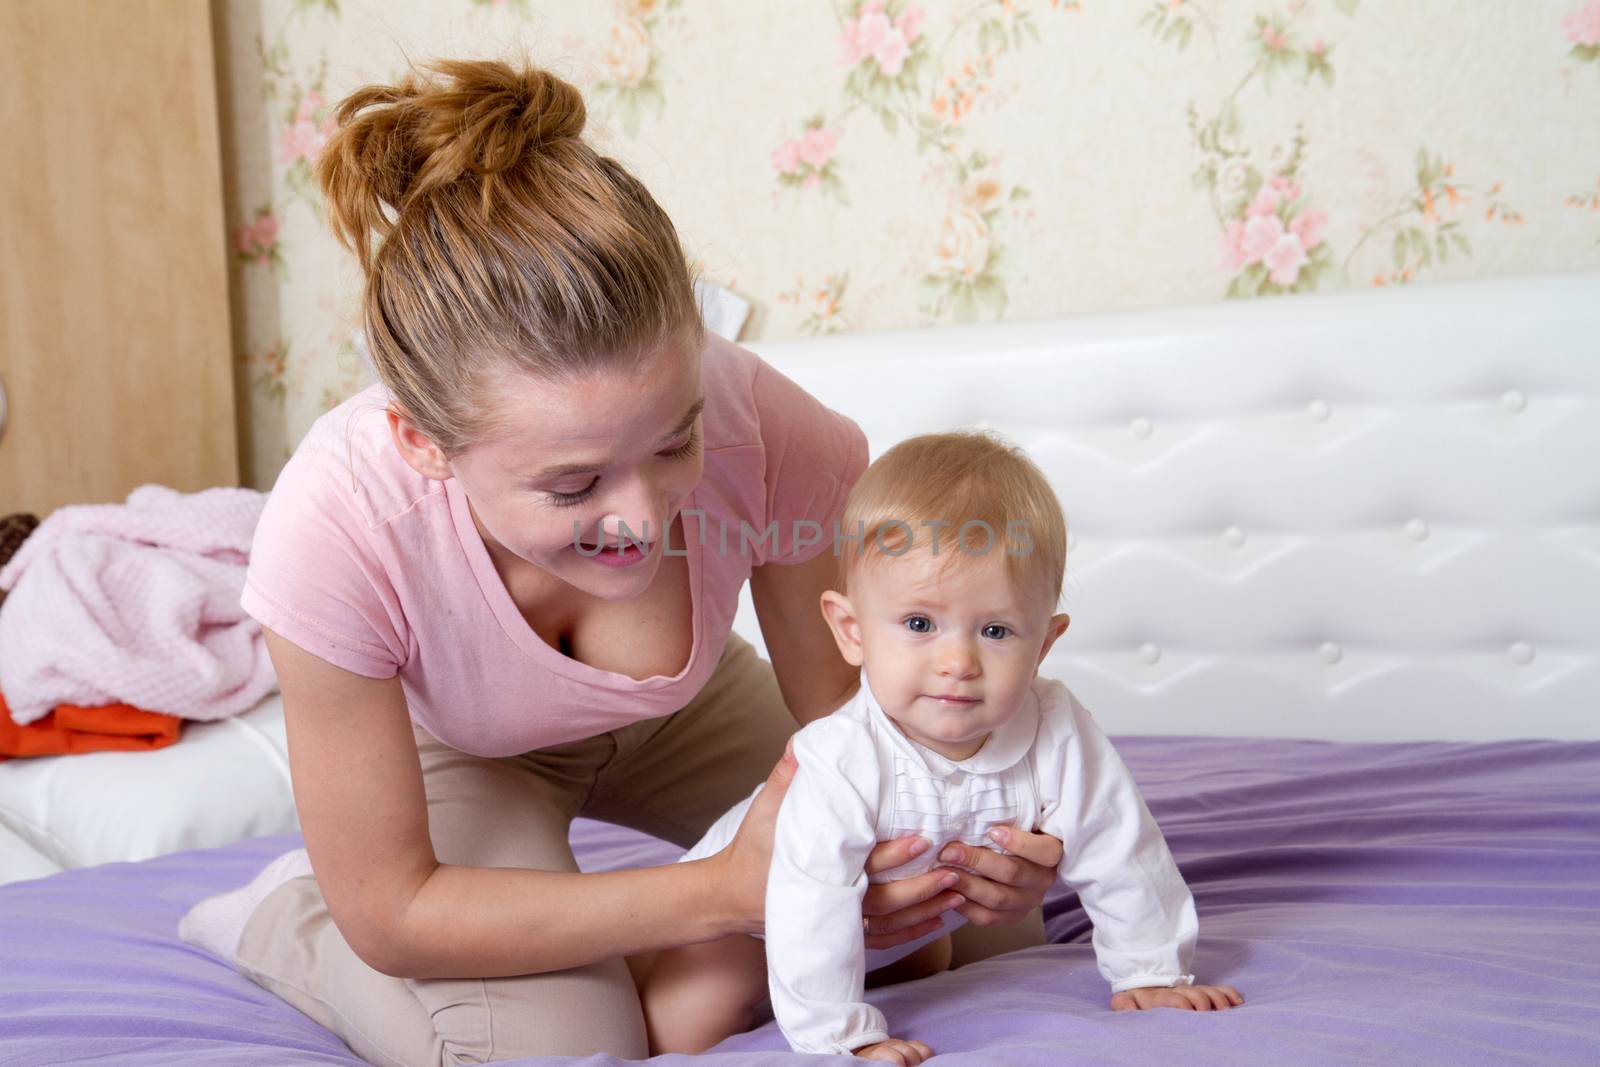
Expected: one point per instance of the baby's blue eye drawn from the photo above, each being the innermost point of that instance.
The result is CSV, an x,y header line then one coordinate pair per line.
x,y
990,631
919,624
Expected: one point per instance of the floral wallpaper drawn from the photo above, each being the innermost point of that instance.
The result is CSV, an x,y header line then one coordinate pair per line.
x,y
884,164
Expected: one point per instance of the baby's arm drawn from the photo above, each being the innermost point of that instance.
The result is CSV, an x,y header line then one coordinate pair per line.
x,y
816,963
1144,918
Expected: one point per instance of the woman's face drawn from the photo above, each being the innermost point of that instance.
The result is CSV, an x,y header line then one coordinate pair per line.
x,y
572,462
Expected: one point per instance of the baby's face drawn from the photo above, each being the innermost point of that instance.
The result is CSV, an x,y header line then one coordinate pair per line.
x,y
949,655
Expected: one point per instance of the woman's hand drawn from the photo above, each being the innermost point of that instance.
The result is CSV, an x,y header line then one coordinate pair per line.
x,y
749,855
1003,890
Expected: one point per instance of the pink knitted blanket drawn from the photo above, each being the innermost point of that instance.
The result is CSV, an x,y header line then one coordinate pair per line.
x,y
136,603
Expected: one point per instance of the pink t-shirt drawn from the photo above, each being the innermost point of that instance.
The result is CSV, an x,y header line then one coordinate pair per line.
x,y
362,561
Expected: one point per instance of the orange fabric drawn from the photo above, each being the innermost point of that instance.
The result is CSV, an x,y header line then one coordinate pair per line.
x,y
71,729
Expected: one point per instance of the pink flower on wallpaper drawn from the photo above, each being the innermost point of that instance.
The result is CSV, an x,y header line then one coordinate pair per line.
x,y
862,36
891,54
304,138
257,240
266,230
1285,259
816,147
1266,203
1272,38
786,159
1583,27
1261,234
1273,232
1308,227
1233,255
910,22
871,35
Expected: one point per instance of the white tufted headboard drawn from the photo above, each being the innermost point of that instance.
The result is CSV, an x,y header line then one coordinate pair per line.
x,y
1369,516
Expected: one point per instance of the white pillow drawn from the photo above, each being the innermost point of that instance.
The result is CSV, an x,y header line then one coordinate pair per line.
x,y
222,781
19,861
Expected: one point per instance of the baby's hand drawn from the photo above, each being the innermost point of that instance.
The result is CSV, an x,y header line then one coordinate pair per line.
x,y
905,1053
1188,997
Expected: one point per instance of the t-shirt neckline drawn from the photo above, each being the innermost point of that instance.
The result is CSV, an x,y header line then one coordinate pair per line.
x,y
523,636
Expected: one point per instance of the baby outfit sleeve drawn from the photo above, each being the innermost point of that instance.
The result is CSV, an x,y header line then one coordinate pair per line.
x,y
813,456
1144,917
816,961
316,579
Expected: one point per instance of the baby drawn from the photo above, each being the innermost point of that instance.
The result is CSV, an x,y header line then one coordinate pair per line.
x,y
947,608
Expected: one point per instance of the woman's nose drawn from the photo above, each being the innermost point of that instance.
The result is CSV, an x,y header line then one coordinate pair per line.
x,y
618,529
634,510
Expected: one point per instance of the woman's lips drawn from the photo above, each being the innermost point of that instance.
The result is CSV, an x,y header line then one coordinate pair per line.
x,y
615,555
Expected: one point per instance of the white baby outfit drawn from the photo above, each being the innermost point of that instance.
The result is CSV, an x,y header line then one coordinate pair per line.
x,y
860,781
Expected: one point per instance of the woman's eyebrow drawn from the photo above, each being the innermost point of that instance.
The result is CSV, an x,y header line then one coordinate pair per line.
x,y
689,417
591,468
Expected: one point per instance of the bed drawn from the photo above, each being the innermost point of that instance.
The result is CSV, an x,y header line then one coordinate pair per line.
x,y
1335,579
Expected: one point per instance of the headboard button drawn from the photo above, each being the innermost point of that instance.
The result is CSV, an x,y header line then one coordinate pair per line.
x,y
1150,654
1521,653
1330,653
1234,537
1318,410
1140,427
1513,400
1417,530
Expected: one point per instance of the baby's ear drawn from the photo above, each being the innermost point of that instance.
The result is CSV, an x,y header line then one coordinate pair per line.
x,y
841,616
1058,626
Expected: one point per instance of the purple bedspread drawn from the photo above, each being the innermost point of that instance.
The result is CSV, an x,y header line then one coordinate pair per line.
x,y
1401,903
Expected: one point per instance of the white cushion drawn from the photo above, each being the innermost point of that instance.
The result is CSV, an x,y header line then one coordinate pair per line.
x,y
222,781
20,861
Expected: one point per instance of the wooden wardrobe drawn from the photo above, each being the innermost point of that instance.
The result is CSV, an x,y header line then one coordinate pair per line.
x,y
114,332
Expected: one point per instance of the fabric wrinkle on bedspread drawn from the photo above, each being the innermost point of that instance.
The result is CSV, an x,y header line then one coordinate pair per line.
x,y
1413,903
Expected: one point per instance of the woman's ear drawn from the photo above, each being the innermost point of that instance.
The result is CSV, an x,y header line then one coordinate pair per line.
x,y
417,448
841,616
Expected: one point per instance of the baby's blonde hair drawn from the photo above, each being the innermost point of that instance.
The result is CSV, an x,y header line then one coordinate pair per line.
x,y
960,479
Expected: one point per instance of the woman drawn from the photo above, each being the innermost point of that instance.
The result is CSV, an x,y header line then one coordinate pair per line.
x,y
498,589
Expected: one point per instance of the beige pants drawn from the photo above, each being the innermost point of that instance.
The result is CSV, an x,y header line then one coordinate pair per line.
x,y
670,777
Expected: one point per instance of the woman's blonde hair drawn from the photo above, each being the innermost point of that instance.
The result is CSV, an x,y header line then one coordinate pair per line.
x,y
978,493
493,238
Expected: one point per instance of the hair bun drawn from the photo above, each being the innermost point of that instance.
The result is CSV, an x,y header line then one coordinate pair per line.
x,y
494,114
444,120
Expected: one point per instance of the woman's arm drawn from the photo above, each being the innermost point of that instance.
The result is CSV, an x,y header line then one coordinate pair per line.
x,y
363,811
814,678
